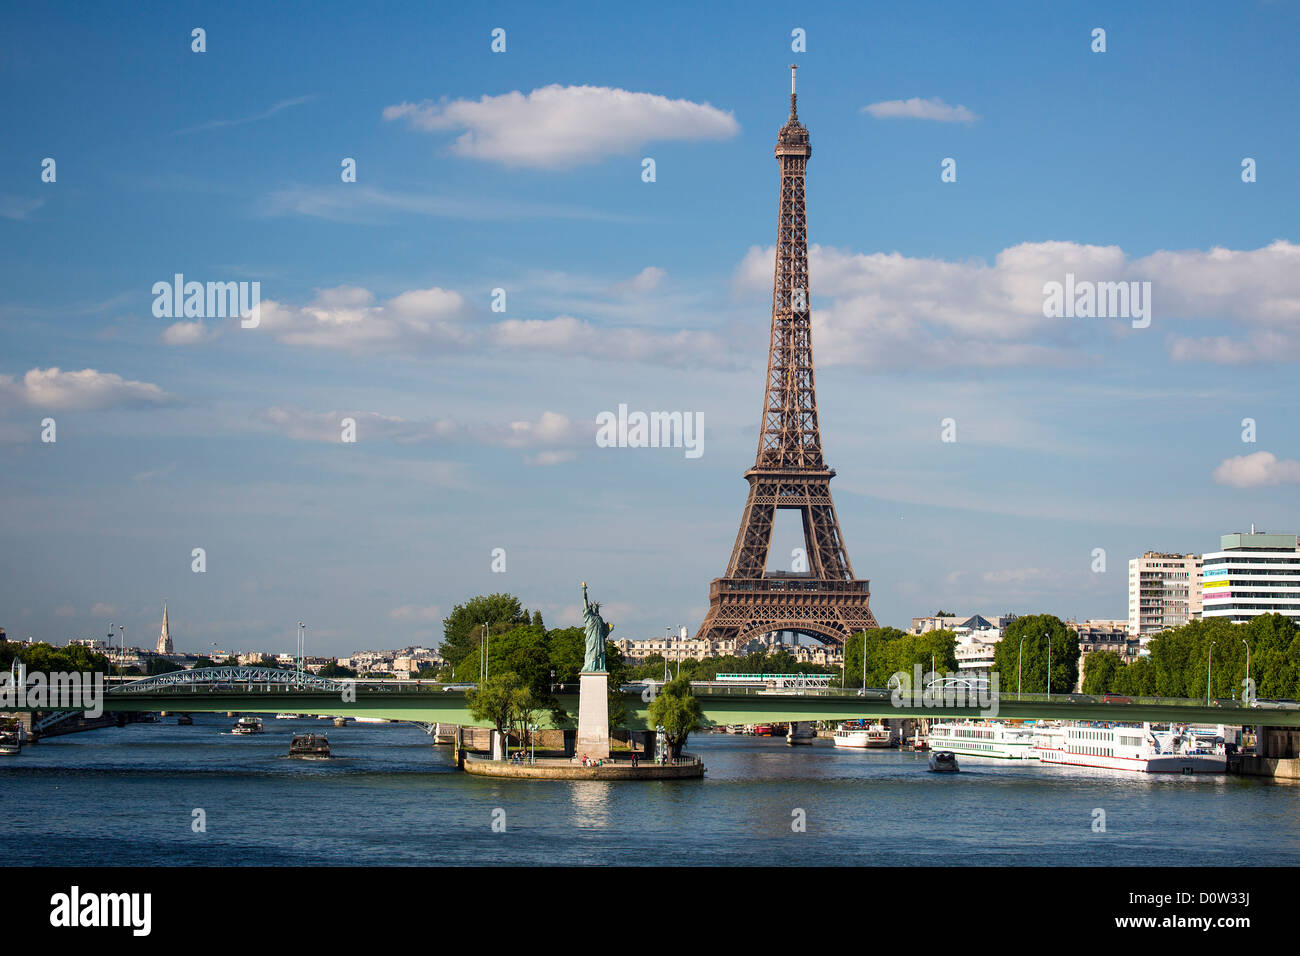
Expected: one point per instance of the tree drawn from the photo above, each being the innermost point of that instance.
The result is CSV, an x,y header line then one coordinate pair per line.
x,y
1040,635
537,619
495,701
461,629
676,710
1101,670
890,651
335,669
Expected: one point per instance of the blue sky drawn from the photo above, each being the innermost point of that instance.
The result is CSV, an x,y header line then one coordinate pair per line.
x,y
479,170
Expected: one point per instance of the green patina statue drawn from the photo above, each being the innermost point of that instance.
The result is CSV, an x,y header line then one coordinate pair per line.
x,y
597,633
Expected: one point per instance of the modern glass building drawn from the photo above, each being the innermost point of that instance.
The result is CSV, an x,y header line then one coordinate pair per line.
x,y
1252,574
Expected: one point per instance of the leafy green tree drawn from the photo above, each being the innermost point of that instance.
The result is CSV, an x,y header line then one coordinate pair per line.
x,y
676,710
889,651
537,619
1034,632
47,658
495,701
1137,679
461,628
1101,671
157,665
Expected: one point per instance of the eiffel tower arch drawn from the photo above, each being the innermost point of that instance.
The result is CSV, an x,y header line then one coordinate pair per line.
x,y
825,602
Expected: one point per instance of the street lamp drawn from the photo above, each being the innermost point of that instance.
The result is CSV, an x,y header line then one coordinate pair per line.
x,y
1019,657
1209,660
668,640
110,648
1049,665
122,653
1247,687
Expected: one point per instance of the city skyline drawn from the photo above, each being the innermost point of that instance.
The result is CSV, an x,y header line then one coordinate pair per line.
x,y
523,171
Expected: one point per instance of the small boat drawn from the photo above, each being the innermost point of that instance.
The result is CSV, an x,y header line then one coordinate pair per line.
x,y
146,718
286,716
184,720
247,725
11,744
858,735
340,721
763,730
943,761
309,746
371,720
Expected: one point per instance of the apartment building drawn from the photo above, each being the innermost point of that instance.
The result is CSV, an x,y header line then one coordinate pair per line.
x,y
1164,591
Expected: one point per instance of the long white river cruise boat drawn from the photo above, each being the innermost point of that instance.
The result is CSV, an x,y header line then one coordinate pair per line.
x,y
983,738
1177,749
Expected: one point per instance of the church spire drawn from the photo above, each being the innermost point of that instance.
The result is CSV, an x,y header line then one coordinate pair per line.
x,y
165,638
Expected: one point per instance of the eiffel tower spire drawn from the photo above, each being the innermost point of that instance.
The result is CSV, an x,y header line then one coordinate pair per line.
x,y
821,598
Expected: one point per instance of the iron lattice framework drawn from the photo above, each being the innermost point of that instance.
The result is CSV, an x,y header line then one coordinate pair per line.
x,y
824,601
228,675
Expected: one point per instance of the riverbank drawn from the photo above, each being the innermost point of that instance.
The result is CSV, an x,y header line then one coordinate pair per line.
x,y
566,768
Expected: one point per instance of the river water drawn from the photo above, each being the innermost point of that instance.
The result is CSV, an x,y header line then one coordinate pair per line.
x,y
128,796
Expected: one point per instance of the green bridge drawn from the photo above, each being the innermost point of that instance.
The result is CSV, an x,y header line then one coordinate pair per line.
x,y
254,690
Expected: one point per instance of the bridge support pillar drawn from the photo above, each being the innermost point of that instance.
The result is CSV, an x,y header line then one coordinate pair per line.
x,y
593,714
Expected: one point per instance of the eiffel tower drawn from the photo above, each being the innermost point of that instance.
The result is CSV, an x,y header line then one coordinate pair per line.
x,y
824,600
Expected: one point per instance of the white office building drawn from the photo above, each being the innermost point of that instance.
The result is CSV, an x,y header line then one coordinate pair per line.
x,y
1252,574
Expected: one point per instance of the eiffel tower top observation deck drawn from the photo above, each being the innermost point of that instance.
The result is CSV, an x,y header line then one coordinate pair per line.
x,y
822,599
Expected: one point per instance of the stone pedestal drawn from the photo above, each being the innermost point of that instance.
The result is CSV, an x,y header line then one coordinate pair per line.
x,y
593,715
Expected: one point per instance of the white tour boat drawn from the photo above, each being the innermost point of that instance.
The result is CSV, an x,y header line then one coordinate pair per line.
x,y
857,735
983,738
247,725
1131,747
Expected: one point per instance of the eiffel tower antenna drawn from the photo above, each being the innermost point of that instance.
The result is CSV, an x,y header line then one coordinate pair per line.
x,y
825,601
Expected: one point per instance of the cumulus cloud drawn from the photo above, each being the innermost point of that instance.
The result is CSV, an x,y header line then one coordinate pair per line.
x,y
557,126
880,309
86,390
350,317
917,108
1257,470
187,333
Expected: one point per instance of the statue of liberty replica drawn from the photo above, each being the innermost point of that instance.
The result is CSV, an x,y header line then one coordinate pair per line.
x,y
593,684
597,633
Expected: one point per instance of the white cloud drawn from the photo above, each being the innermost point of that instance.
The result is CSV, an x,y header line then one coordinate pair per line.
x,y
103,610
18,207
917,108
1257,470
416,612
348,317
88,389
557,126
883,309
187,333
555,435
252,118
369,205
573,336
